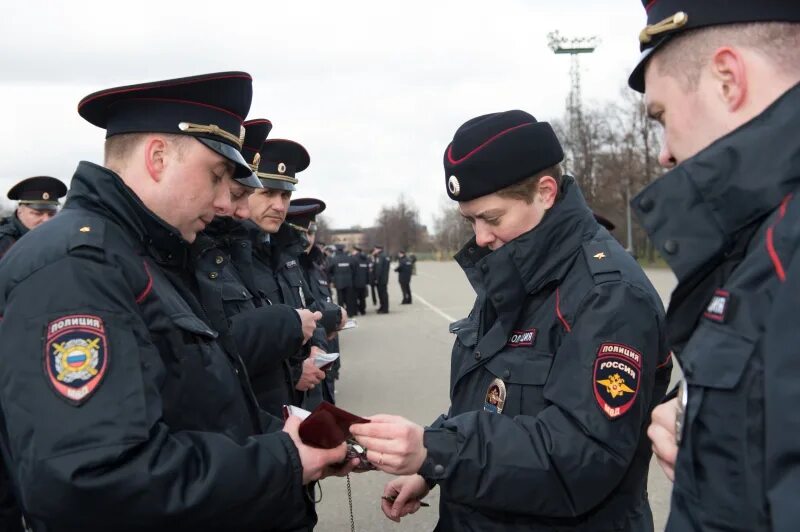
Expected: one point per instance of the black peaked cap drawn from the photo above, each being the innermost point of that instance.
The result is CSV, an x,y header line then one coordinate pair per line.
x,y
209,107
667,18
40,192
280,162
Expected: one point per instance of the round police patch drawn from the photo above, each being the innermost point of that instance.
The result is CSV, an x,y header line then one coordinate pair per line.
x,y
76,356
616,378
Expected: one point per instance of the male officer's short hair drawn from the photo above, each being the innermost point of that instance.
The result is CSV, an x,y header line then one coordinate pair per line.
x,y
120,147
684,55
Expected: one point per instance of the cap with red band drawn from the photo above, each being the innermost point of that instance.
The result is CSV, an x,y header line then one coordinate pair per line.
x,y
493,151
209,107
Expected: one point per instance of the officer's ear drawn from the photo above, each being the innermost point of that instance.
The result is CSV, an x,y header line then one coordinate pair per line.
x,y
155,157
546,191
729,72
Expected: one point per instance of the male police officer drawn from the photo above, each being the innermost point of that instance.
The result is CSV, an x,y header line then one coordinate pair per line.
x,y
554,372
381,268
404,269
302,216
265,334
722,78
360,279
276,271
121,409
37,202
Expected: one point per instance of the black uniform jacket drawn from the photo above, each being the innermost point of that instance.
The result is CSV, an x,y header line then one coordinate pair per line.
x,y
341,269
361,267
403,269
381,269
11,230
121,409
278,278
265,334
568,325
733,322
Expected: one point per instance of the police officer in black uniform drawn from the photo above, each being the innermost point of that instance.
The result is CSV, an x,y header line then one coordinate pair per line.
x,y
360,279
342,270
404,269
555,370
121,408
276,272
302,216
37,202
266,334
381,267
722,79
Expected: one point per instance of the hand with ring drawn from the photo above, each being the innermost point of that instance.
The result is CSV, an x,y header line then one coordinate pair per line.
x,y
394,443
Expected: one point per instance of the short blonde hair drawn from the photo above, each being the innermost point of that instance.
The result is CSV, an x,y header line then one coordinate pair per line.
x,y
119,147
525,190
684,56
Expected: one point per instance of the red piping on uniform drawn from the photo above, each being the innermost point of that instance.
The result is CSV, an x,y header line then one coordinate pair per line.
x,y
159,85
188,102
776,260
558,313
470,154
650,5
146,288
669,357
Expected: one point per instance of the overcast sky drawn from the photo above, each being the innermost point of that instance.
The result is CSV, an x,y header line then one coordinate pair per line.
x,y
373,89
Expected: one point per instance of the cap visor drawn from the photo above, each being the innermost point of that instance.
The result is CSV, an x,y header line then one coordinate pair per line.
x,y
242,172
636,79
277,184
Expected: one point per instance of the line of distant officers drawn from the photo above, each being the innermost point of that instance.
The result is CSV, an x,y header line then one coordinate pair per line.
x,y
353,271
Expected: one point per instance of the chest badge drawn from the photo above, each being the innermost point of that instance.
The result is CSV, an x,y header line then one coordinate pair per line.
x,y
523,338
616,378
76,356
495,397
718,306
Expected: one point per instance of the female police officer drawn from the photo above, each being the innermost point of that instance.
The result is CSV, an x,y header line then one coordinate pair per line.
x,y
556,369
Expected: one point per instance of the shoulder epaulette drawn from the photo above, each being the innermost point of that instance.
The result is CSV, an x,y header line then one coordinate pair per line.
x,y
602,262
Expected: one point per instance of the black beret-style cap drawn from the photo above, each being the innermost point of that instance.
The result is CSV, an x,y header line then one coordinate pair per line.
x,y
304,211
667,18
40,192
210,107
256,132
493,151
280,161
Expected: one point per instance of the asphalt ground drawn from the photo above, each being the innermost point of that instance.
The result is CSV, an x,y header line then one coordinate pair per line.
x,y
399,363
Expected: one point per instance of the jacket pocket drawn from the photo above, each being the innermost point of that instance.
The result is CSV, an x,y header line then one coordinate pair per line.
x,y
524,372
236,298
721,445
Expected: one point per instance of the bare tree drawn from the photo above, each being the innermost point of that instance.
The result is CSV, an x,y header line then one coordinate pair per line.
x,y
451,230
398,227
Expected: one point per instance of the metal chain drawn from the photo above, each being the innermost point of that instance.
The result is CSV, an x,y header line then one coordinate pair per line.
x,y
350,502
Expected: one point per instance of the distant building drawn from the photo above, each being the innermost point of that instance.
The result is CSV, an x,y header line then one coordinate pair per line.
x,y
349,237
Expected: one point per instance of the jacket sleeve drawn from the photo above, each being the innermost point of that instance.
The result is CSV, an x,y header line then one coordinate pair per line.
x,y
331,315
266,335
112,463
569,457
782,395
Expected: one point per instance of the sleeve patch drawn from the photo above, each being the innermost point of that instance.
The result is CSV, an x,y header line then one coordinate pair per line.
x,y
76,356
616,378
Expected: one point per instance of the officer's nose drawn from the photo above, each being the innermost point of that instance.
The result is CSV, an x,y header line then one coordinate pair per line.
x,y
665,157
223,205
483,234
242,210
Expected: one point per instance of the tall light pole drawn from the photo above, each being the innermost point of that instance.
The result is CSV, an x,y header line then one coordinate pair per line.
x,y
574,47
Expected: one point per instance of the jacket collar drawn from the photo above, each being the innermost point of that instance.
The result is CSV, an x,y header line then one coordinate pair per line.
x,y
100,190
695,212
536,258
